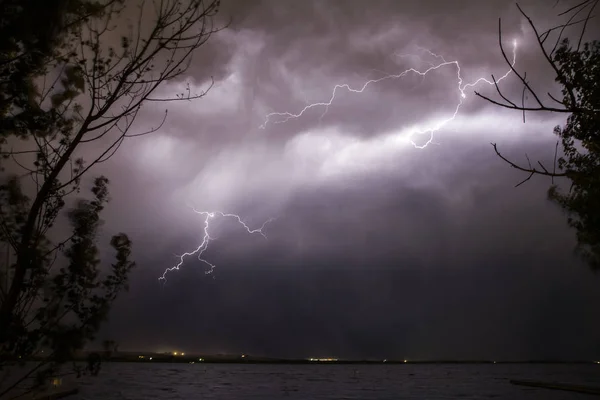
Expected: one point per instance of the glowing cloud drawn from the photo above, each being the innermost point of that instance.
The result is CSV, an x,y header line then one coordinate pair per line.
x,y
428,129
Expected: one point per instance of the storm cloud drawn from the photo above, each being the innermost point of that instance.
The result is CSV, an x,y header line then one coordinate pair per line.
x,y
378,249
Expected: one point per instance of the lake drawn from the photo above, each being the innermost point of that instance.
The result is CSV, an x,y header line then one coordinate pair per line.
x,y
259,381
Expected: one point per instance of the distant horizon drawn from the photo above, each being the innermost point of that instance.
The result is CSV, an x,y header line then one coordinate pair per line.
x,y
335,358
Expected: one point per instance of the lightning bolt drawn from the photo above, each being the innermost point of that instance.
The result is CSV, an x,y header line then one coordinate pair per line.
x,y
282,117
206,239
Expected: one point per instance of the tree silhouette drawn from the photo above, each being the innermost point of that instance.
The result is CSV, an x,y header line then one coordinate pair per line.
x,y
576,65
65,83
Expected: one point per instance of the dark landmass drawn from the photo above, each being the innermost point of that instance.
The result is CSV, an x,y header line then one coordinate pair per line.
x,y
146,357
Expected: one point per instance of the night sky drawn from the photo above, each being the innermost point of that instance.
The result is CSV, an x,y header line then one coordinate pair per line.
x,y
379,249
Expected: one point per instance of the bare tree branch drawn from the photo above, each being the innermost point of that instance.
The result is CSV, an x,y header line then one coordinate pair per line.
x,y
567,106
96,95
529,169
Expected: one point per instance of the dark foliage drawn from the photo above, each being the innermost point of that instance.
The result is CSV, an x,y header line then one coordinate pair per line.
x,y
576,65
63,85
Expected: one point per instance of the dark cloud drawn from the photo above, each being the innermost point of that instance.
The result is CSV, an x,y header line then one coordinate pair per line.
x,y
379,249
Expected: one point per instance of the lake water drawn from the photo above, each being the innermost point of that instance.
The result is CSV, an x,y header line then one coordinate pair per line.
x,y
223,381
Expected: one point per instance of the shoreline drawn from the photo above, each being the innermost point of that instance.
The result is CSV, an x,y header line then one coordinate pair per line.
x,y
201,359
